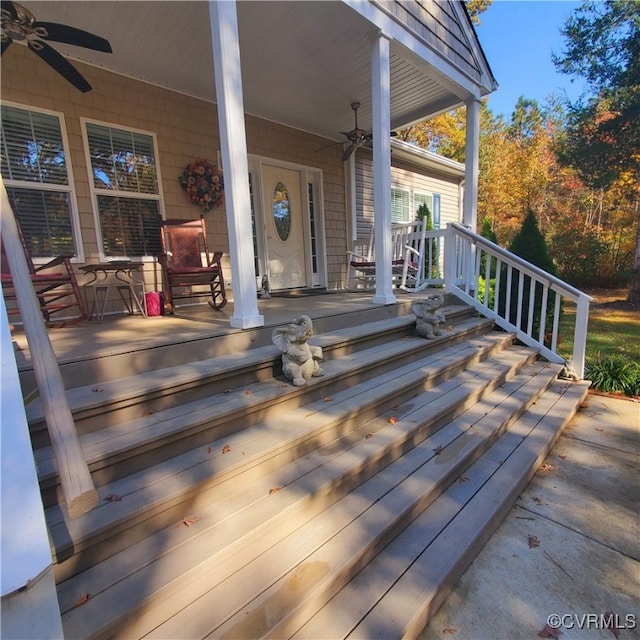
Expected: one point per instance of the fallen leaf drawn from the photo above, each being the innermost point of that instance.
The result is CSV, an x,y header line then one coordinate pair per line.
x,y
82,599
97,389
226,449
392,420
462,479
549,632
533,542
327,399
113,497
146,412
209,450
450,630
189,520
562,457
438,450
369,435
546,467
274,490
599,429
537,499
248,392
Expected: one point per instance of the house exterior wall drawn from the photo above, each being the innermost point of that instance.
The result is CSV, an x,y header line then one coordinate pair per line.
x,y
186,129
408,177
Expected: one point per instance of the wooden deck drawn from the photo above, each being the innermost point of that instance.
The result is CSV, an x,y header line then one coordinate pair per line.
x,y
234,505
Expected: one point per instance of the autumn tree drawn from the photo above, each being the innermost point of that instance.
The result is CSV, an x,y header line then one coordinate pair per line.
x,y
602,136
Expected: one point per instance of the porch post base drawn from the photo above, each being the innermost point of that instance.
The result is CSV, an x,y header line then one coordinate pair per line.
x,y
246,322
384,299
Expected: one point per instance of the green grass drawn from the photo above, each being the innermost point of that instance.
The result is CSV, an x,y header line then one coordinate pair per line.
x,y
613,334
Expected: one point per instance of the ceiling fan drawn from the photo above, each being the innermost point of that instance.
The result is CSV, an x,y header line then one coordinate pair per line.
x,y
357,137
20,25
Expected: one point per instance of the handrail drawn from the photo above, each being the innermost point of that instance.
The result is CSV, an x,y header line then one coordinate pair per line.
x,y
572,293
465,252
77,485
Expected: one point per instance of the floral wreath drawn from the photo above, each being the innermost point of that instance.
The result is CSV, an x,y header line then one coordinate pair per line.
x,y
203,183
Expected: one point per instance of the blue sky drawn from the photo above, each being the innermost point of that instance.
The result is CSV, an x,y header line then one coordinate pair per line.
x,y
518,37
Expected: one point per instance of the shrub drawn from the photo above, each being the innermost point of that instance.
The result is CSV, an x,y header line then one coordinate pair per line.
x,y
529,244
482,288
614,373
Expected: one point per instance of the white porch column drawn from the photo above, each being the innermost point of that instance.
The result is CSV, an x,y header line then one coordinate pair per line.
x,y
472,155
380,94
233,141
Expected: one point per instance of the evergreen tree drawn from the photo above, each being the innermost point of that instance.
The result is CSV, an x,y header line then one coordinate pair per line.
x,y
529,244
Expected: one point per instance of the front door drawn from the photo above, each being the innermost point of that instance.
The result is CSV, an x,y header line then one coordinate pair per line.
x,y
284,226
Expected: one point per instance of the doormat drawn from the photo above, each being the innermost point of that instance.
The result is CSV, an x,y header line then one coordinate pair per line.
x,y
298,293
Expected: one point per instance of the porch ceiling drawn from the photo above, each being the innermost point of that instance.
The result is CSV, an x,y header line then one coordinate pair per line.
x,y
303,63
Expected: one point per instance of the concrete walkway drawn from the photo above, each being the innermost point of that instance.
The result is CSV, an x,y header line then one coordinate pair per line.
x,y
570,547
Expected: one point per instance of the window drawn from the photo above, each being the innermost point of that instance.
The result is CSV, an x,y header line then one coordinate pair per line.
x,y
125,185
38,180
432,201
400,205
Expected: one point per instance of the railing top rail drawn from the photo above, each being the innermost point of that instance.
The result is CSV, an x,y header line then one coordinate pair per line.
x,y
553,281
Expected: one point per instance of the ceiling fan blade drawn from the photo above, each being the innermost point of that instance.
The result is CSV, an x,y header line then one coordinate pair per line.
x,y
326,146
5,46
348,151
71,35
60,64
7,6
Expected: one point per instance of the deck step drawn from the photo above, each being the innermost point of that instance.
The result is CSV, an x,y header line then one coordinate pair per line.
x,y
109,402
387,452
447,539
321,556
158,493
118,450
233,504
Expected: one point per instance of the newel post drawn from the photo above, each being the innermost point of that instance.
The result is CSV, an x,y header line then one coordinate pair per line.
x,y
77,485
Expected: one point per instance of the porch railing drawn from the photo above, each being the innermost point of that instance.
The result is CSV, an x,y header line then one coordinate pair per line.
x,y
516,294
75,479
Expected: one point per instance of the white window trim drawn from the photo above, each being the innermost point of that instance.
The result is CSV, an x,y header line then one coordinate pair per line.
x,y
407,217
66,188
428,194
95,192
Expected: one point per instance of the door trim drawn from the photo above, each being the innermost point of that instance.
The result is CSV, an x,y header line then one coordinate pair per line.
x,y
314,244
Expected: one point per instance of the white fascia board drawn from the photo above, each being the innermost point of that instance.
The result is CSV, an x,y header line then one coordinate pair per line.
x,y
488,79
426,158
449,75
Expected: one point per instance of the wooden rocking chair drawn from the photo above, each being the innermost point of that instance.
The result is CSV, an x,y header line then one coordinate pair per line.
x,y
57,291
189,271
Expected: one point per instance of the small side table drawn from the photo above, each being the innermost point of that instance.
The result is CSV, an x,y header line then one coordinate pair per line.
x,y
127,278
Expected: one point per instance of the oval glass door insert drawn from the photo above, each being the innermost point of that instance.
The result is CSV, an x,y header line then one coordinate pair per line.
x,y
281,211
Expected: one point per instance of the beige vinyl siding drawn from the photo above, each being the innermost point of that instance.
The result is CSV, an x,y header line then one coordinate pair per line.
x,y
406,177
186,129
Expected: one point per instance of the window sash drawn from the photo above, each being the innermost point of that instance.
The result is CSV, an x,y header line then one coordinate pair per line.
x,y
399,205
124,180
121,160
38,180
432,200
